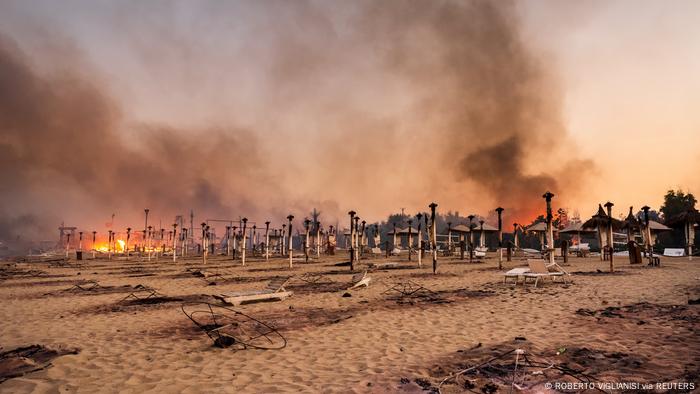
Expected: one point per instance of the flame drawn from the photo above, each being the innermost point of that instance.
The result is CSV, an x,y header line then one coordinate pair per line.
x,y
104,246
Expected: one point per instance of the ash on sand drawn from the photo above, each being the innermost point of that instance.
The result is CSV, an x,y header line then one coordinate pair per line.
x,y
21,361
523,366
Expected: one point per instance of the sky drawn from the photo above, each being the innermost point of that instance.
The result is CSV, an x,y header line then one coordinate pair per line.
x,y
263,108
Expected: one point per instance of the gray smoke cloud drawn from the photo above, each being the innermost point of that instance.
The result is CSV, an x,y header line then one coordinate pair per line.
x,y
368,105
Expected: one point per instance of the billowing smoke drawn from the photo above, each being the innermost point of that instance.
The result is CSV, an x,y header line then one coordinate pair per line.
x,y
372,106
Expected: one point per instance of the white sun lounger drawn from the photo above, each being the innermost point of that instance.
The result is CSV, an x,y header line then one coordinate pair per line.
x,y
516,273
274,290
538,269
674,252
360,279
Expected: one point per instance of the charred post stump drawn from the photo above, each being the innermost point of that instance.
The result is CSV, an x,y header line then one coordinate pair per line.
x,y
609,232
550,230
433,235
420,242
410,239
352,251
307,222
471,237
499,211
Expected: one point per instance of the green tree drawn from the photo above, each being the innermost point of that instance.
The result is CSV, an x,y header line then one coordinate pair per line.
x,y
676,202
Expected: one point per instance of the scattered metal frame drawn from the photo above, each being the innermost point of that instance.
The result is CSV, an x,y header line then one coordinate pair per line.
x,y
86,286
313,278
408,288
140,289
230,328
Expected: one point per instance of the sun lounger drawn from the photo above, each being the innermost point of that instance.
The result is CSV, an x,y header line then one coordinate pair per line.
x,y
360,279
538,269
516,273
274,290
397,251
674,252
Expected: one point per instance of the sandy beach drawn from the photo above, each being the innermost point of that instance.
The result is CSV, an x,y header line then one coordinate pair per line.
x,y
634,325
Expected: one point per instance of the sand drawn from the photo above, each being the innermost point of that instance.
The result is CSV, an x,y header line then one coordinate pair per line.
x,y
369,342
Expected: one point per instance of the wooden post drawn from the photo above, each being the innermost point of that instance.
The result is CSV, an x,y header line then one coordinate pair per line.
x,y
433,233
109,244
243,241
394,243
690,233
362,238
126,244
283,239
185,241
449,238
306,239
611,243
254,240
174,242
420,241
410,238
356,238
318,240
482,238
352,251
499,211
290,218
471,237
550,230
267,241
647,231
94,234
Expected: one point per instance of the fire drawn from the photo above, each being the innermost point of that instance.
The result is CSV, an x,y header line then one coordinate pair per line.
x,y
104,246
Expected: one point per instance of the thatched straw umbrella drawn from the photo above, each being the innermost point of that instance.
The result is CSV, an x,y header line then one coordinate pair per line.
x,y
539,228
687,220
630,224
600,221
